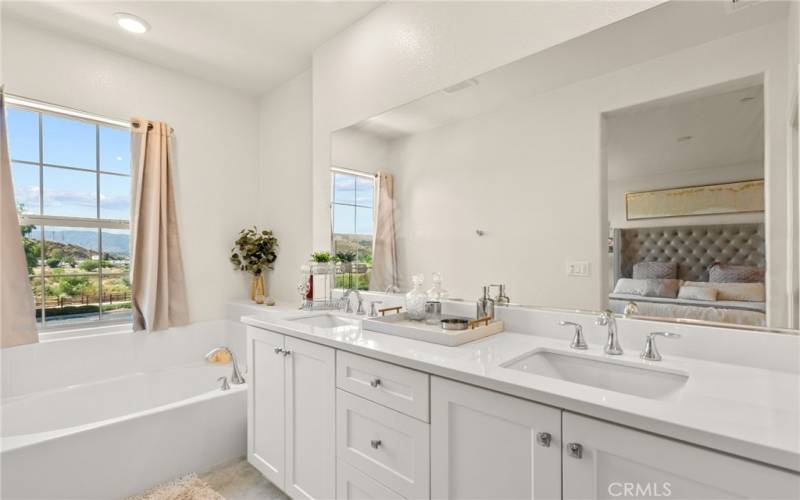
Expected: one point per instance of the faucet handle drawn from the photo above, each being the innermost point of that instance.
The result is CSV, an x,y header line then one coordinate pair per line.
x,y
578,342
373,308
225,386
604,317
650,352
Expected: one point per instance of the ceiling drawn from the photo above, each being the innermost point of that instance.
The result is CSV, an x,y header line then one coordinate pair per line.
x,y
248,46
599,52
716,128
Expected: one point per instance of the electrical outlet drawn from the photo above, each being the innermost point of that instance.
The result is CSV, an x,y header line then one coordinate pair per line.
x,y
578,268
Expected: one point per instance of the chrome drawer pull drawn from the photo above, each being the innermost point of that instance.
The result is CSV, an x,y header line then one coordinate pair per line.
x,y
543,439
287,352
575,450
375,383
375,443
278,350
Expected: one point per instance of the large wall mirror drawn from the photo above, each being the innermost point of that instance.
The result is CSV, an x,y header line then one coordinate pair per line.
x,y
649,167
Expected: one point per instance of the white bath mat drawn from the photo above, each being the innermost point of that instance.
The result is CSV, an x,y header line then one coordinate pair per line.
x,y
188,487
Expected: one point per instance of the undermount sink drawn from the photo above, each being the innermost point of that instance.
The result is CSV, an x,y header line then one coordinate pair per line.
x,y
326,321
617,375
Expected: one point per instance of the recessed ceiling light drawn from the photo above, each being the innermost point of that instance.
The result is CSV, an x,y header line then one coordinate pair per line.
x,y
685,138
132,23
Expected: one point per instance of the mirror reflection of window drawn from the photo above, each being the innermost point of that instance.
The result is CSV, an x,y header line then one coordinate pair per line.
x,y
352,212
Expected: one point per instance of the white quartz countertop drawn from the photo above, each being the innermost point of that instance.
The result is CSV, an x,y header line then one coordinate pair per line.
x,y
750,412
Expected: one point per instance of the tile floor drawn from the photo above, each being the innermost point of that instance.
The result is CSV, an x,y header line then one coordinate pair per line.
x,y
241,481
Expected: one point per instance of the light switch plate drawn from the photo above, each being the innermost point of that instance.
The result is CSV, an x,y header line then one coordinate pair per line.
x,y
578,268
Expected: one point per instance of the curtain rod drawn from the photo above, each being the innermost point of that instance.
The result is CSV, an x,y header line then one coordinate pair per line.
x,y
63,110
353,172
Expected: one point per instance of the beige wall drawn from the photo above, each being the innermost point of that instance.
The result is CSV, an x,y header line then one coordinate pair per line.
x,y
284,187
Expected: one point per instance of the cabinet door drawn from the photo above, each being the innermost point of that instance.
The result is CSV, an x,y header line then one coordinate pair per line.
x,y
618,462
265,404
310,420
484,445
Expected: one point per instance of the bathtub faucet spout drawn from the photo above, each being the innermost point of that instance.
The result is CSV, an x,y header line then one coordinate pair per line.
x,y
211,357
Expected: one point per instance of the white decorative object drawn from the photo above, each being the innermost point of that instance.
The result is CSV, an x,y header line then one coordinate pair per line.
x,y
436,292
416,298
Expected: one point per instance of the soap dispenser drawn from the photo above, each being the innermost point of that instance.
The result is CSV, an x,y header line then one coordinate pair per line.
x,y
485,304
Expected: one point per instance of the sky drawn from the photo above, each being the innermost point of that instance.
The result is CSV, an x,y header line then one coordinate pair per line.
x,y
352,204
69,143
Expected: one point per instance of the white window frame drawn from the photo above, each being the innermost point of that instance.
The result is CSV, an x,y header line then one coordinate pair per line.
x,y
41,221
355,173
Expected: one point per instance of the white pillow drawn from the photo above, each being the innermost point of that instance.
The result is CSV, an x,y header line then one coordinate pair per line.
x,y
666,288
697,293
744,292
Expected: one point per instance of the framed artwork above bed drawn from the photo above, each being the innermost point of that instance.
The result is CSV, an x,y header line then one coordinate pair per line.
x,y
711,199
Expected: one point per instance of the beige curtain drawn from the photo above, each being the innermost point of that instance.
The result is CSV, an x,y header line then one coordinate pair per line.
x,y
17,321
159,290
384,249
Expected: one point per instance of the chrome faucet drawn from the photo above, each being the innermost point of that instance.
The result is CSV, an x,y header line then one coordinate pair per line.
x,y
373,308
346,301
578,342
650,352
236,377
612,346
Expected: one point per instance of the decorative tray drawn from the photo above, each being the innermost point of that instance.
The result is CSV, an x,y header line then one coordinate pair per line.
x,y
401,326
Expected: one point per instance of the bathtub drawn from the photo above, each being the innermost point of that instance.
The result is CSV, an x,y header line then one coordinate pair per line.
x,y
112,415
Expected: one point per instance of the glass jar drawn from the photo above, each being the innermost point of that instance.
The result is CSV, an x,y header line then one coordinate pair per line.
x,y
436,292
415,299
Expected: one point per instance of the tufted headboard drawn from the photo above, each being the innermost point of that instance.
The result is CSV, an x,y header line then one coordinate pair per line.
x,y
694,248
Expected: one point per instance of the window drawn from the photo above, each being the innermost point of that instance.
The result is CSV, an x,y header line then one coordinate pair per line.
x,y
72,187
352,202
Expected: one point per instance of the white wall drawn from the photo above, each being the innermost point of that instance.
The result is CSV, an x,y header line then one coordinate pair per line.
x,y
216,141
529,175
697,177
284,188
358,150
403,51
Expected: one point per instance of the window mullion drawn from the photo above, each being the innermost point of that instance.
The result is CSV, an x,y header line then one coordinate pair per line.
x,y
99,230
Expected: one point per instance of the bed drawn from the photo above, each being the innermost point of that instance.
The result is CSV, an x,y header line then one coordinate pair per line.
x,y
693,249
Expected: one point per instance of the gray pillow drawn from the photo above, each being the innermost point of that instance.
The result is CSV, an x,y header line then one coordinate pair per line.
x,y
655,270
727,273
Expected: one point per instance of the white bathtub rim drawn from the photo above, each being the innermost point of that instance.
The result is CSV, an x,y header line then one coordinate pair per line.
x,y
17,442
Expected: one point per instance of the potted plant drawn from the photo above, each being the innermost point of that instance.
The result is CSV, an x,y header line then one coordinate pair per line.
x,y
255,251
346,260
322,262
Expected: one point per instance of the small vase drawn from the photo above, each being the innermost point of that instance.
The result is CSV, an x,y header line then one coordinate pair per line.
x,y
415,299
257,286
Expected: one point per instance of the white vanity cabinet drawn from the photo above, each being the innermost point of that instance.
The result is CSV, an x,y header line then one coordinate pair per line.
x,y
325,423
291,413
619,462
489,445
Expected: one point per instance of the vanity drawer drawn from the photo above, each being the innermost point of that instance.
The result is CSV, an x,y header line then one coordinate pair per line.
x,y
392,448
352,484
398,388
